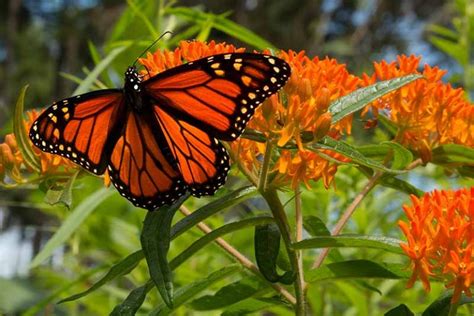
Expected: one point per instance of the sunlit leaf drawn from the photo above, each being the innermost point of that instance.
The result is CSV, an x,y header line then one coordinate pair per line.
x,y
21,135
359,98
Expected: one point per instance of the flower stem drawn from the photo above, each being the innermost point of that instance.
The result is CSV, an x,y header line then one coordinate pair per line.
x,y
453,308
347,215
271,196
262,181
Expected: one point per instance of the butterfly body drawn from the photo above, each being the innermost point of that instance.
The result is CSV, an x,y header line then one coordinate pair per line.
x,y
159,138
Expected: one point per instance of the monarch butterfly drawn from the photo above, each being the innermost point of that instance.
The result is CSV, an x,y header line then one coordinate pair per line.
x,y
159,138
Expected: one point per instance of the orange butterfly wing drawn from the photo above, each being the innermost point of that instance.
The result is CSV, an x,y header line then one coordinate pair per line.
x,y
218,94
79,127
141,168
202,161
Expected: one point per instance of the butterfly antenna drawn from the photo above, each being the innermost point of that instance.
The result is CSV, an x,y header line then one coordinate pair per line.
x,y
152,44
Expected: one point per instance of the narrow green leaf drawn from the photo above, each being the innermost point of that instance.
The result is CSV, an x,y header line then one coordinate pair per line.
x,y
315,226
212,208
443,31
350,152
93,52
180,227
61,193
139,12
222,24
226,229
228,295
267,246
400,310
440,307
133,302
453,154
357,269
351,241
401,156
155,240
205,30
21,134
71,224
99,68
451,48
121,268
358,99
389,181
187,292
391,126
252,305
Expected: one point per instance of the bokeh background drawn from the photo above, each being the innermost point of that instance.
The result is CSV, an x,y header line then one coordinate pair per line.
x,y
47,45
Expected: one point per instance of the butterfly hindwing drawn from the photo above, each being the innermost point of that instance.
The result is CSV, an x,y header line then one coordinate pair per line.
x,y
140,166
79,127
202,161
220,93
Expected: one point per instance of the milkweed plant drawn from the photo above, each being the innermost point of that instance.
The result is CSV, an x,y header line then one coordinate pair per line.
x,y
297,145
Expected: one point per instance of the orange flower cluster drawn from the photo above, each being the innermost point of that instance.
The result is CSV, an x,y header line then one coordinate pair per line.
x,y
440,235
185,52
301,108
12,161
427,112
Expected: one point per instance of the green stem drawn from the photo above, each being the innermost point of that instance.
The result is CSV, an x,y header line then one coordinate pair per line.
x,y
262,181
453,308
271,196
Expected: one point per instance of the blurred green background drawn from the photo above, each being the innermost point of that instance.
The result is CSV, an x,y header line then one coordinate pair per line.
x,y
50,44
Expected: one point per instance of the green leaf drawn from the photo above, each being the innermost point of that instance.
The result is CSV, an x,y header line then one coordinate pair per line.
x,y
222,24
133,302
440,307
252,305
61,194
388,124
315,226
443,31
400,310
453,154
451,48
121,268
189,291
358,269
21,135
401,156
358,99
139,12
228,295
221,231
212,208
180,227
350,152
351,241
267,246
99,68
94,52
155,240
205,30
71,224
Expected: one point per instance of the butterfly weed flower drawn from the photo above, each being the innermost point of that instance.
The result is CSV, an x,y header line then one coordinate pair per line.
x,y
440,238
301,108
427,112
12,162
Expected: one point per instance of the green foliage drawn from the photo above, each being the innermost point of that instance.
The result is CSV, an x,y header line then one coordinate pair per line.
x,y
103,270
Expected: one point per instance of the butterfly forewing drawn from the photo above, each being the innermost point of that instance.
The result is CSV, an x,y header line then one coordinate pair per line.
x,y
79,128
220,93
139,167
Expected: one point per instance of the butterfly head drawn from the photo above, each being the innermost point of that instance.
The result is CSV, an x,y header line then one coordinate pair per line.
x,y
132,79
